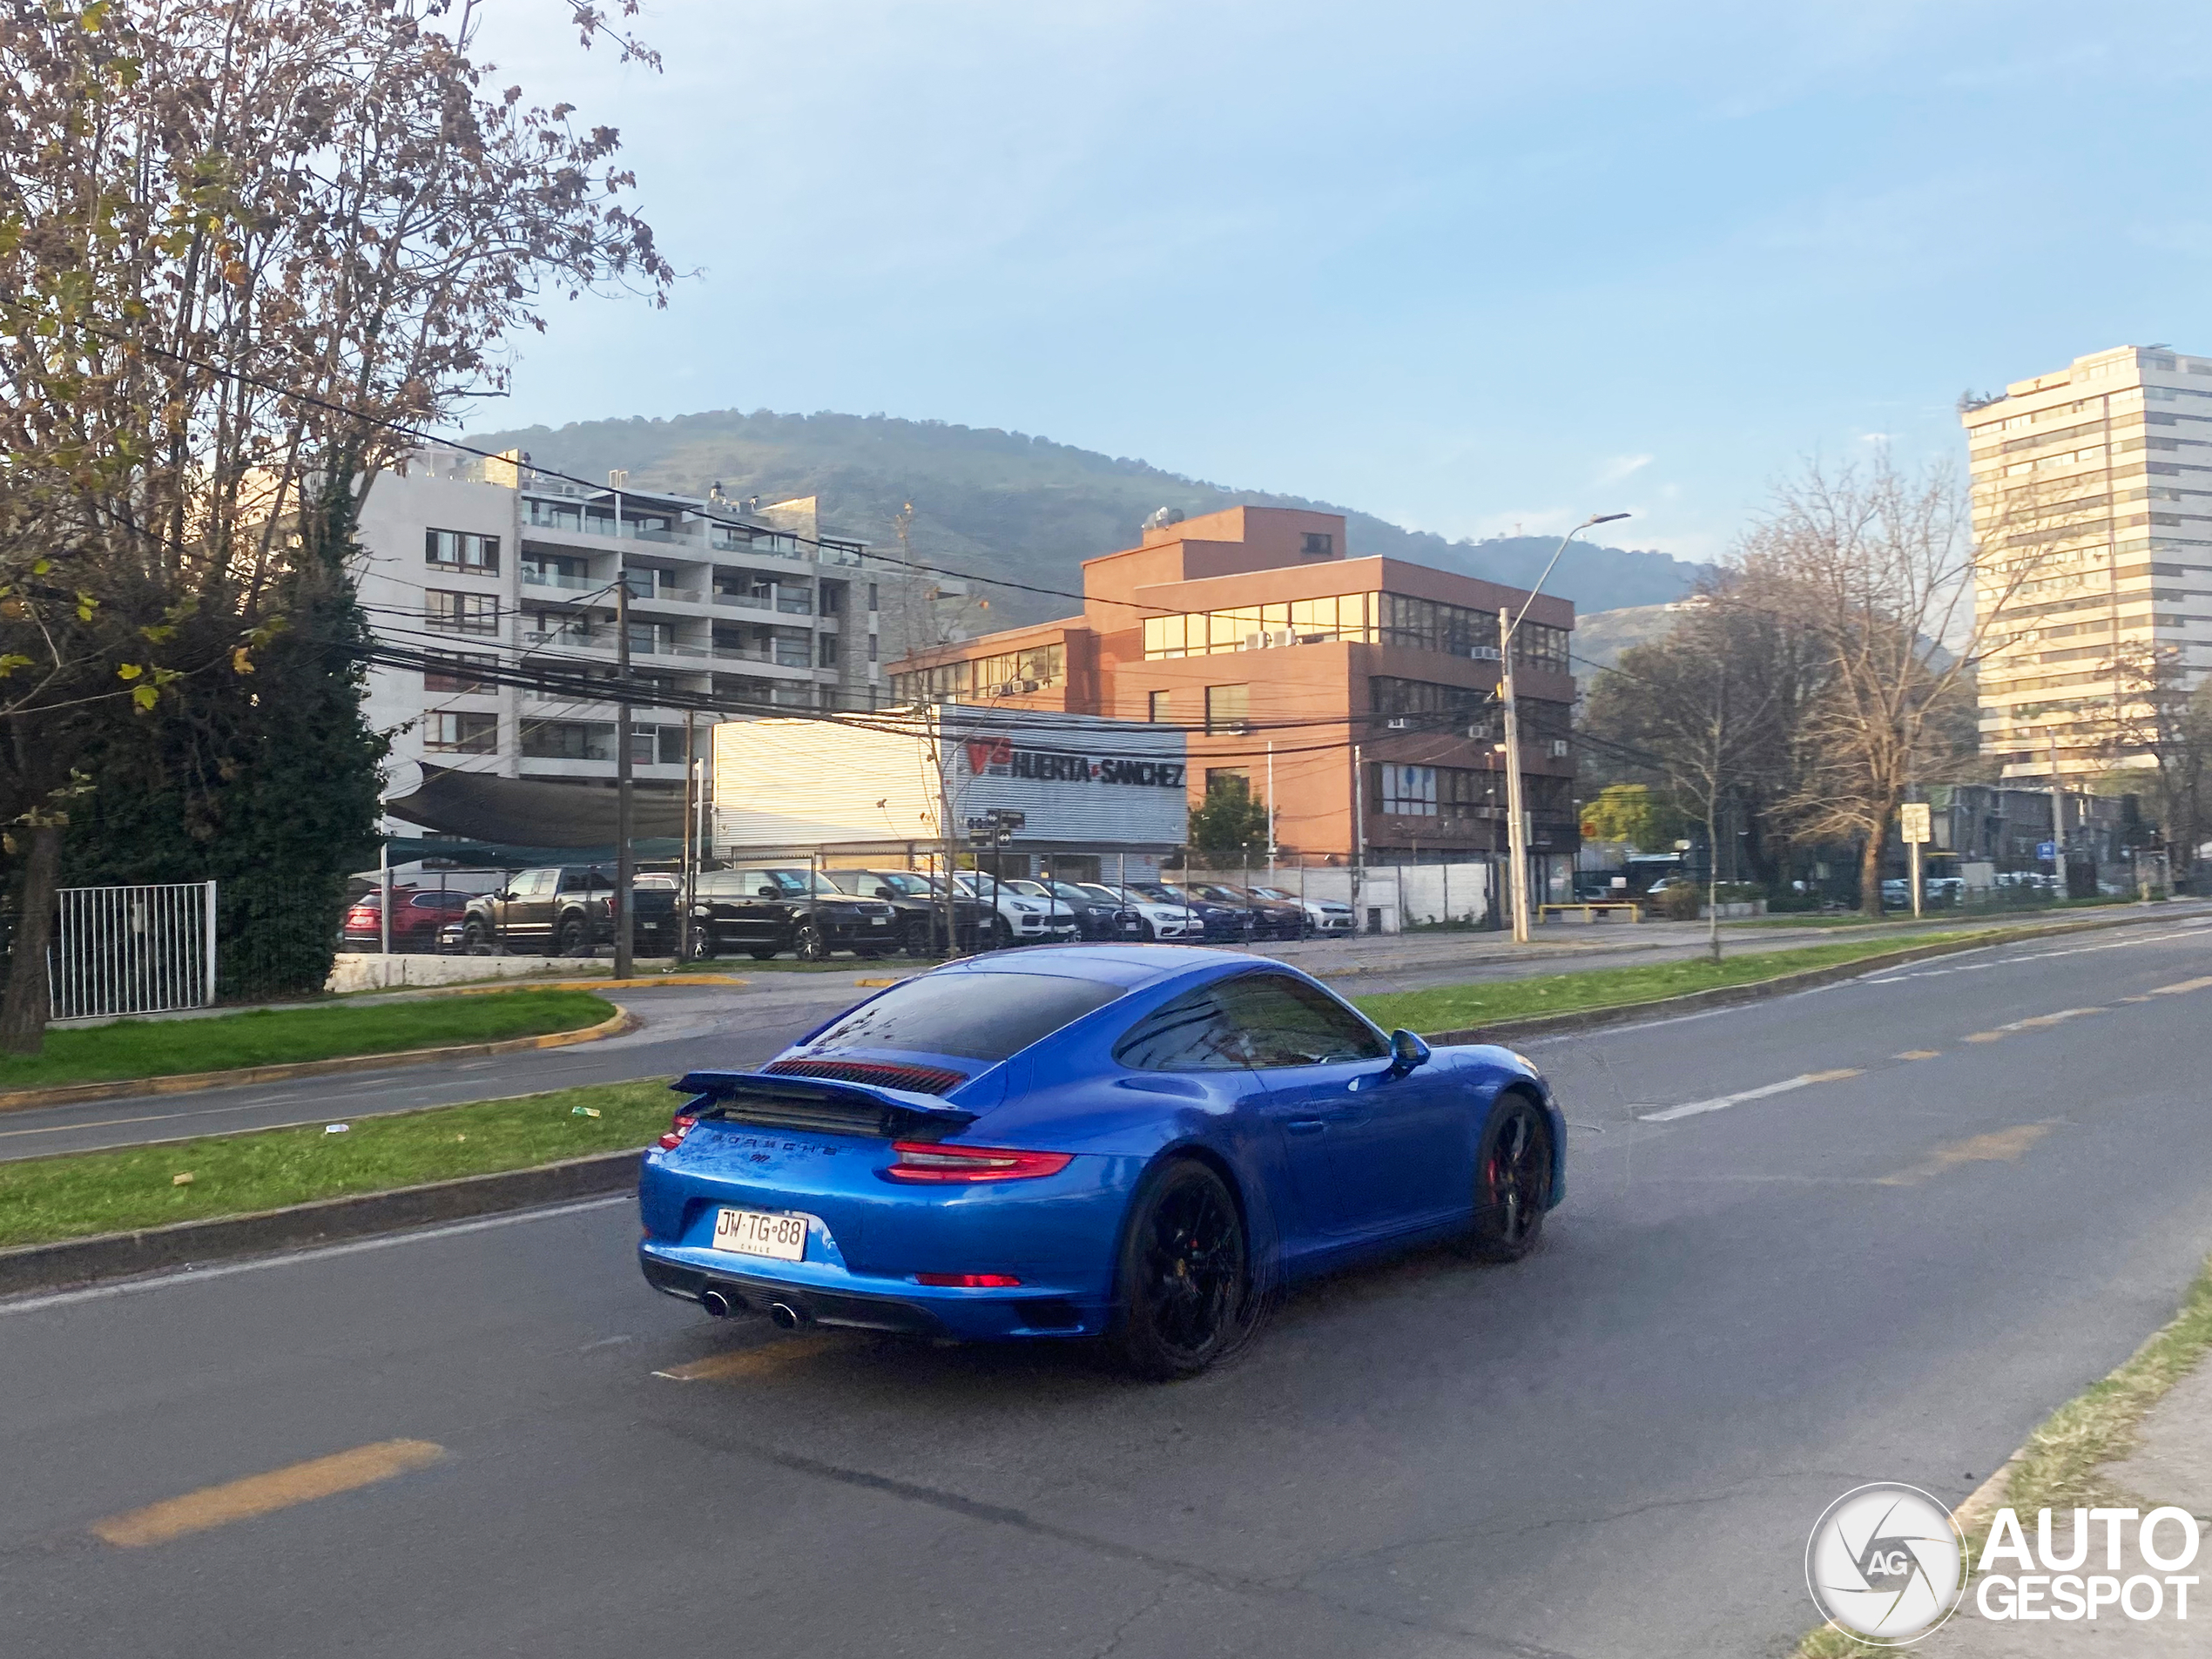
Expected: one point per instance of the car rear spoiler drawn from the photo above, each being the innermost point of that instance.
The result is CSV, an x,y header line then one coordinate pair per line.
x,y
821,1104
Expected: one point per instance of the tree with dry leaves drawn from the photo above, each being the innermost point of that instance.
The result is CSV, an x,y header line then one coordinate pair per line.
x,y
249,249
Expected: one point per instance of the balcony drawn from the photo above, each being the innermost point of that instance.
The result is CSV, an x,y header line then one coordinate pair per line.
x,y
745,601
555,579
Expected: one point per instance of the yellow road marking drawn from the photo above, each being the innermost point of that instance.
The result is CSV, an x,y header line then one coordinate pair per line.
x,y
259,1494
2035,1023
2004,1146
2174,990
752,1362
1919,1054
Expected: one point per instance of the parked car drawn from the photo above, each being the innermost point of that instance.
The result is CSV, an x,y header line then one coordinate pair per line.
x,y
1099,914
920,904
1155,920
565,910
1229,922
1330,916
418,917
1271,918
1089,1142
764,912
1030,918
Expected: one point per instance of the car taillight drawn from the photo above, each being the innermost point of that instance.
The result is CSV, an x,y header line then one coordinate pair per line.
x,y
929,1161
682,1125
969,1281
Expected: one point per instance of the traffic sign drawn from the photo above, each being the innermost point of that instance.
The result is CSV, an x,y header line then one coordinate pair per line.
x,y
2047,850
1912,820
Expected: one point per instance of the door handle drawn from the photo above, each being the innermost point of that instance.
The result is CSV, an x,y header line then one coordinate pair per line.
x,y
1303,1126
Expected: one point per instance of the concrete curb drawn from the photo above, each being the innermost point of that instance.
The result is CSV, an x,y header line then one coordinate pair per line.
x,y
105,1255
193,1082
1540,1025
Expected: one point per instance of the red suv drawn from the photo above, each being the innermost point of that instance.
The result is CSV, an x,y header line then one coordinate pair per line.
x,y
416,917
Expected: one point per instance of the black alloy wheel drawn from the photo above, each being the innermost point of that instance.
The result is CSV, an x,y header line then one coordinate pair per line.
x,y
701,945
475,939
1512,1181
1001,936
810,944
1185,1284
575,940
922,938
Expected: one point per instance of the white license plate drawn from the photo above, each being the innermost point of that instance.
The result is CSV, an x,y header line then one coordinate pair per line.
x,y
879,922
761,1232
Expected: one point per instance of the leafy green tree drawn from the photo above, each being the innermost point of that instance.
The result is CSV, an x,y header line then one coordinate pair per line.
x,y
248,249
1632,814
1230,823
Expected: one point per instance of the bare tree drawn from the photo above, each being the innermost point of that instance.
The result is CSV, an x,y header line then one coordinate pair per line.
x,y
2157,714
1878,566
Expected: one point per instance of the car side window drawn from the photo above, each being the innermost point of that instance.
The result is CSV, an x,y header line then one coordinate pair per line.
x,y
534,884
1287,1022
1191,1033
757,884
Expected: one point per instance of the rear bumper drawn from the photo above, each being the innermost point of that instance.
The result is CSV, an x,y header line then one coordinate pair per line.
x,y
821,1294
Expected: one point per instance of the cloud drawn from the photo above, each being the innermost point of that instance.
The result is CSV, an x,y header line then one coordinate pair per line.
x,y
1622,467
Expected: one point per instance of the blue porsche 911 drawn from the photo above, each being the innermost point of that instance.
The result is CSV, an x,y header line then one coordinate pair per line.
x,y
1135,1141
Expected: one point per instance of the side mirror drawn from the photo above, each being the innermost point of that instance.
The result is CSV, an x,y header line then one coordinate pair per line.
x,y
1406,1051
764,893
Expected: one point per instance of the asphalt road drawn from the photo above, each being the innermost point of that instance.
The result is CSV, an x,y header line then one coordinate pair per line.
x,y
1886,1268
695,1026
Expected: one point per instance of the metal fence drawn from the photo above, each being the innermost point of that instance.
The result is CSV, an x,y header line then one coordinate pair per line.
x,y
132,950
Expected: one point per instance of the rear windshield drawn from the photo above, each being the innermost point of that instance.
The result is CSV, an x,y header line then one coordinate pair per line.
x,y
977,1016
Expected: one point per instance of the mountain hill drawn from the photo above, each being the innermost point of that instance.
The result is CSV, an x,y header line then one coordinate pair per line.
x,y
1008,506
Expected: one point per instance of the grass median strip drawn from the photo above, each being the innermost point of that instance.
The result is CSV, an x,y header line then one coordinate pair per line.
x,y
76,1194
1453,1007
131,1048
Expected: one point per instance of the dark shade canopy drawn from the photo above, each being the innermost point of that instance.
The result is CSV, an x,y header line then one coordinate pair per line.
x,y
531,812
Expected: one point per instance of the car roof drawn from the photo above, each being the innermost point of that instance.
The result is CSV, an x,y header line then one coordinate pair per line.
x,y
1127,966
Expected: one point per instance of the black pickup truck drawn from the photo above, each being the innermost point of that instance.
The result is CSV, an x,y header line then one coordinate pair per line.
x,y
566,910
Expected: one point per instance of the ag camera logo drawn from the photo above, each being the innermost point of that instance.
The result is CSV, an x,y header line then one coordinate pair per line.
x,y
1887,1563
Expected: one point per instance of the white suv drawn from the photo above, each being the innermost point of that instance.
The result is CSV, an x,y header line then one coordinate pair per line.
x,y
1029,914
1161,920
1323,915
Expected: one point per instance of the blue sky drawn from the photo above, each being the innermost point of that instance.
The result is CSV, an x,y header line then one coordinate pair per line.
x,y
1469,266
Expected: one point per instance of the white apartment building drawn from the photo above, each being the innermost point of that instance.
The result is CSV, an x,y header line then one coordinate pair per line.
x,y
487,564
2093,511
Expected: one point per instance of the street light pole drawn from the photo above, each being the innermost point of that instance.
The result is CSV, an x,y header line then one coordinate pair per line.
x,y
1516,817
625,865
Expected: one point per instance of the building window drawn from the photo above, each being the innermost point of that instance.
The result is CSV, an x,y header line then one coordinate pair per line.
x,y
1159,708
1427,624
1319,544
468,734
1410,791
1236,778
461,613
1229,708
833,598
873,642
1426,704
794,648
569,739
456,674
559,627
1537,646
462,550
829,651
1009,674
873,597
672,746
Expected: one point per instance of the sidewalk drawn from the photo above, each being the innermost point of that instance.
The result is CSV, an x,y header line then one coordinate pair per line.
x,y
2171,1464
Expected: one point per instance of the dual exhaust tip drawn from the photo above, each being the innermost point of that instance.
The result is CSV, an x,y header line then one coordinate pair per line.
x,y
721,1304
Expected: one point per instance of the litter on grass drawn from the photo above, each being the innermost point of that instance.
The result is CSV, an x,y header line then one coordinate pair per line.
x,y
584,1111
335,1128
183,1180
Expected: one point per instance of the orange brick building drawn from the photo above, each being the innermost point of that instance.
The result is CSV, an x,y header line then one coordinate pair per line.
x,y
1251,628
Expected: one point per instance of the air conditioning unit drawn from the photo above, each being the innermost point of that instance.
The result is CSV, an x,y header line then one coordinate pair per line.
x,y
1397,723
1283,637
1558,748
1483,653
